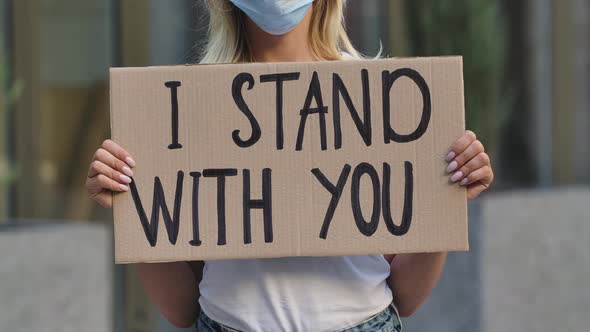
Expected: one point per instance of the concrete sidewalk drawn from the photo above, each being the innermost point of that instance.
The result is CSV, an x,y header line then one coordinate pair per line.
x,y
56,277
528,268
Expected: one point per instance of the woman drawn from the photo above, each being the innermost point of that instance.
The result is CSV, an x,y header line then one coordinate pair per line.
x,y
360,293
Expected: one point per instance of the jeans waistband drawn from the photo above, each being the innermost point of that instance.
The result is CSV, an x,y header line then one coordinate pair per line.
x,y
386,320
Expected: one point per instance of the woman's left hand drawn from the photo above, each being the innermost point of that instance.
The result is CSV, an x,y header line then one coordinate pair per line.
x,y
469,165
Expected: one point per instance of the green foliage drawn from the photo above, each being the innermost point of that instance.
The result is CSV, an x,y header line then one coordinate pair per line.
x,y
10,91
473,29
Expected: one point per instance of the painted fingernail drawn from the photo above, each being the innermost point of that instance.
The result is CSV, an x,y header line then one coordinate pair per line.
x,y
125,178
127,171
450,156
463,182
123,187
130,162
456,176
452,166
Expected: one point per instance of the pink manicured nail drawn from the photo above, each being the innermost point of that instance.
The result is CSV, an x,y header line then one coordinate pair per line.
x,y
463,182
452,166
130,162
125,178
456,176
123,187
127,171
450,156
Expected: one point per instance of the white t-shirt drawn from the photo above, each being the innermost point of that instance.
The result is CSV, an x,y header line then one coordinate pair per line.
x,y
295,294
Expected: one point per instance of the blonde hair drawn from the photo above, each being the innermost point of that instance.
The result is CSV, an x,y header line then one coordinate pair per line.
x,y
227,41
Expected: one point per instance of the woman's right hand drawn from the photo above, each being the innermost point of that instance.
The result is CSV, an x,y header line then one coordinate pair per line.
x,y
110,171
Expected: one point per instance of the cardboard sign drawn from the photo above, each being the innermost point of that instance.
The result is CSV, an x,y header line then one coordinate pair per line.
x,y
289,159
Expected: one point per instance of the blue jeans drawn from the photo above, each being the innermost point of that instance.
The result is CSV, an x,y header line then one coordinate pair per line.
x,y
386,321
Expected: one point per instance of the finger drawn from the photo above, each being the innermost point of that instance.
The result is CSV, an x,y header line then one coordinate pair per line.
x,y
110,184
461,144
98,167
117,151
484,175
113,162
97,193
477,162
104,198
475,190
469,153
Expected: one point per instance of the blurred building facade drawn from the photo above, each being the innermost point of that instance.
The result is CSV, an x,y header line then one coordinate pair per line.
x,y
60,51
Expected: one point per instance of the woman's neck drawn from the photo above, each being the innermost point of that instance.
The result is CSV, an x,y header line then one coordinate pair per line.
x,y
290,47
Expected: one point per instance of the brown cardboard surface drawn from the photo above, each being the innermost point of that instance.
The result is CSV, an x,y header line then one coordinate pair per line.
x,y
209,120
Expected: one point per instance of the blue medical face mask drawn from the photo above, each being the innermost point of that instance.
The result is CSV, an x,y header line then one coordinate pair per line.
x,y
276,17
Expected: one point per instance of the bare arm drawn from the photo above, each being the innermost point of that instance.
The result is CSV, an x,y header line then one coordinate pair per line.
x,y
414,276
173,287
